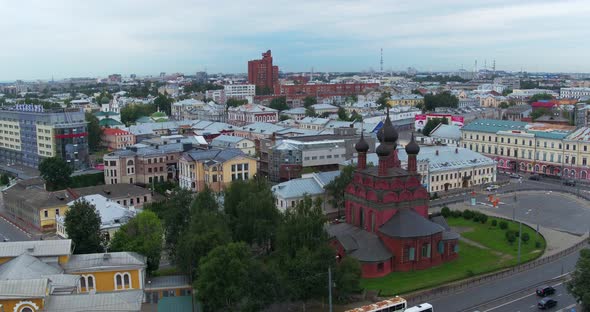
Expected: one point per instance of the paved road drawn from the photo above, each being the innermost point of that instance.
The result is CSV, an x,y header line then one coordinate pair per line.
x,y
528,302
474,296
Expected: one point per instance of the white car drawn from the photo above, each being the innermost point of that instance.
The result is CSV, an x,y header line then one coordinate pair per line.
x,y
492,188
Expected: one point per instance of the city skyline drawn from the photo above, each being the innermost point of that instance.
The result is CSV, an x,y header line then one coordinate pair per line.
x,y
69,39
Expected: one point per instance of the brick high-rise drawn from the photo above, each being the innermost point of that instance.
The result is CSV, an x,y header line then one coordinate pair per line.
x,y
263,74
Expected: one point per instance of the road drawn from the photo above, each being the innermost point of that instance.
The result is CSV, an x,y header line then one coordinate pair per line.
x,y
468,300
528,302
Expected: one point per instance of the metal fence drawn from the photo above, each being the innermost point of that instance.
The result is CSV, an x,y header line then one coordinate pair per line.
x,y
426,295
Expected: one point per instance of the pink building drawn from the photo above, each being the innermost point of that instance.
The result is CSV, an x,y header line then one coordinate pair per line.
x,y
251,113
115,139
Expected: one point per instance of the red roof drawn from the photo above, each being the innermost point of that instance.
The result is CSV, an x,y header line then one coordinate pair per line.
x,y
114,131
543,104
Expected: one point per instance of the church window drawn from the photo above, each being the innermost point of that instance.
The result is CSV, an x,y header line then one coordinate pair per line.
x,y
372,222
380,267
441,247
425,250
411,253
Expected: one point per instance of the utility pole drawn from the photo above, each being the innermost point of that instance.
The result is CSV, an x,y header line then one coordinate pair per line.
x,y
330,288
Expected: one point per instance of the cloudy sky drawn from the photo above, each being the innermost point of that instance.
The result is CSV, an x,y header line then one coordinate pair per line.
x,y
45,38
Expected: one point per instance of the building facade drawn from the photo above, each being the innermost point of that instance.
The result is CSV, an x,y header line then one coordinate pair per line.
x,y
326,89
251,113
263,74
405,100
29,133
114,139
574,93
240,92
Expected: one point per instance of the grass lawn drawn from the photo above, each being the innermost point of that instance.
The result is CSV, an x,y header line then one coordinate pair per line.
x,y
472,260
494,238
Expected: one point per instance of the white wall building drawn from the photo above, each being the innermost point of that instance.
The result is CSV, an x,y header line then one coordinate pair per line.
x,y
568,93
240,92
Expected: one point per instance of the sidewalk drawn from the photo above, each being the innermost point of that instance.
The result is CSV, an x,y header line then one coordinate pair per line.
x,y
556,241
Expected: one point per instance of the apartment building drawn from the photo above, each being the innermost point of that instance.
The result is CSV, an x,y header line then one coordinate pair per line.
x,y
29,133
576,93
251,113
240,92
549,149
405,100
228,141
114,139
214,168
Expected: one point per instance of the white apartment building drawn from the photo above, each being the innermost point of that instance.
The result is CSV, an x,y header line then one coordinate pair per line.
x,y
575,93
240,92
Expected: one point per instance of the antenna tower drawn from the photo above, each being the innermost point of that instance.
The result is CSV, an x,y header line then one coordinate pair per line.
x,y
494,66
381,63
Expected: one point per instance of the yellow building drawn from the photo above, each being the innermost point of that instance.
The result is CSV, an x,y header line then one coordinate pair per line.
x,y
214,168
406,100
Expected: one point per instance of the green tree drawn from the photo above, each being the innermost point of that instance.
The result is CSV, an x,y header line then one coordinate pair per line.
x,y
579,284
174,212
55,172
356,116
525,237
504,105
382,101
231,102
445,212
347,277
164,104
506,91
94,132
279,103
310,112
540,97
510,236
253,216
336,187
230,279
82,222
342,114
142,234
4,179
309,101
538,113
433,123
528,84
444,99
132,112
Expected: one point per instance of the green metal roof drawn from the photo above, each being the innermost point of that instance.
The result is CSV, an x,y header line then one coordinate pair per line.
x,y
493,125
109,122
550,135
176,304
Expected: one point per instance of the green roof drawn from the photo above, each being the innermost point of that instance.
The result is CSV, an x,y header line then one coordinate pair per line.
x,y
101,113
108,122
158,114
550,135
144,119
493,125
176,304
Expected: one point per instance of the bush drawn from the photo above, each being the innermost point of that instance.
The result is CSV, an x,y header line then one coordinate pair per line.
x,y
525,237
456,213
468,214
483,218
445,212
494,222
87,180
510,236
434,196
503,225
538,244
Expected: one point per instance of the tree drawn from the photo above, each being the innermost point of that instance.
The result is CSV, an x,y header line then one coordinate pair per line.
x,y
279,103
82,222
510,236
230,279
174,212
94,132
309,101
538,113
503,105
347,277
336,187
342,114
142,234
433,123
231,102
253,216
310,112
382,101
540,97
444,99
525,237
55,172
4,179
506,91
356,117
579,285
445,212
130,113
528,84
164,104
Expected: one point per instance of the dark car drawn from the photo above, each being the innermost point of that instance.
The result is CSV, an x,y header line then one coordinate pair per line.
x,y
535,177
569,182
546,303
545,291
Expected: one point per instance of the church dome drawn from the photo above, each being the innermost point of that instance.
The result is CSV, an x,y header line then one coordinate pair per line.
x,y
412,148
382,150
389,133
362,146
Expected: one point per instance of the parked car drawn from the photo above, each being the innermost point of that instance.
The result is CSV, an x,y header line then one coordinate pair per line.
x,y
515,176
492,188
535,177
569,182
546,303
545,291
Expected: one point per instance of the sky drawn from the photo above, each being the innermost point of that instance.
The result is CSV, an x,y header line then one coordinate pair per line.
x,y
40,39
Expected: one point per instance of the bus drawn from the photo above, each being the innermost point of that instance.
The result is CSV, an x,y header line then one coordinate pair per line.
x,y
395,304
424,307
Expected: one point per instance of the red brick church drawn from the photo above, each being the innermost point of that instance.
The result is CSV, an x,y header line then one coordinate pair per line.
x,y
387,225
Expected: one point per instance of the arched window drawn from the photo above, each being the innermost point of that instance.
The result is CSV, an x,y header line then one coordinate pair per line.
x,y
127,280
118,281
583,175
90,282
82,282
130,162
26,309
573,173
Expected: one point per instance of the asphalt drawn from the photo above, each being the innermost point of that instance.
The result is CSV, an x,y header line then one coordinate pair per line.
x,y
528,301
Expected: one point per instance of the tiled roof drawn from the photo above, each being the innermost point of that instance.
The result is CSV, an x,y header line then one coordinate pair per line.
x,y
104,262
42,248
360,244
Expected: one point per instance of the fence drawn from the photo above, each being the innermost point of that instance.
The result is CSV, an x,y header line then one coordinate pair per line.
x,y
426,295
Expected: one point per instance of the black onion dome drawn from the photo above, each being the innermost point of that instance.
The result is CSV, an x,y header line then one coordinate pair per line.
x,y
362,146
389,133
412,148
382,150
380,134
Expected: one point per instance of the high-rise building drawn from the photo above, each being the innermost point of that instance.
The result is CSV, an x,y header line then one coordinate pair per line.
x,y
29,133
263,74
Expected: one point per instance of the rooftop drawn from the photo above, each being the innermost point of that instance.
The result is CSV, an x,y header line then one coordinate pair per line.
x,y
24,289
42,248
494,125
360,244
123,301
111,213
26,266
226,140
112,191
171,281
408,223
443,131
219,155
104,262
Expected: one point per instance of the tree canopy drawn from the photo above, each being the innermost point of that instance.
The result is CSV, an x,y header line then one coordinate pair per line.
x,y
82,222
142,234
539,112
56,173
279,103
539,97
309,101
337,186
382,101
347,277
164,104
433,123
579,285
132,112
310,112
94,132
444,99
231,102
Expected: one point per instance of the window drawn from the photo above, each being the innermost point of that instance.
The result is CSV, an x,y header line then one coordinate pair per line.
x,y
123,281
46,213
411,253
26,309
127,279
57,211
233,167
426,251
90,283
245,166
380,267
118,281
214,178
239,167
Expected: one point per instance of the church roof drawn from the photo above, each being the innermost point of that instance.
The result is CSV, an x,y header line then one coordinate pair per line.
x,y
408,223
26,266
360,244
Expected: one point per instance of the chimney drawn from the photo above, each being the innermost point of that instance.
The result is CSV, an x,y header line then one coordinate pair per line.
x,y
436,152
